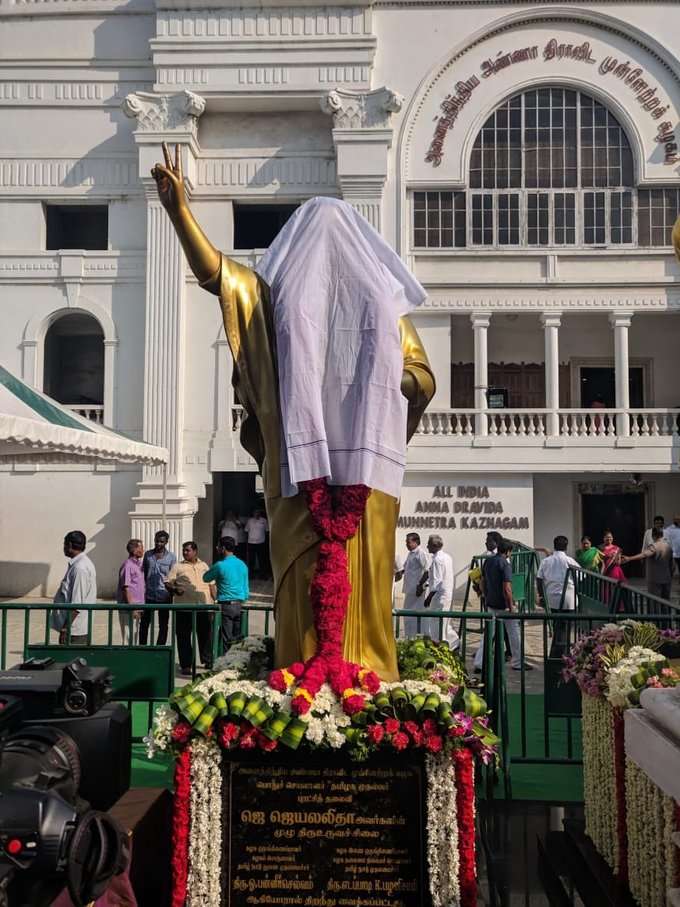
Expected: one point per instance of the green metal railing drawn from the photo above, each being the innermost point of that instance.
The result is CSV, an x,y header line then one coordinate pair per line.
x,y
524,563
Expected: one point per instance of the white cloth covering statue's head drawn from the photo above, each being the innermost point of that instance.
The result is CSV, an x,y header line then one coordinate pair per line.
x,y
338,291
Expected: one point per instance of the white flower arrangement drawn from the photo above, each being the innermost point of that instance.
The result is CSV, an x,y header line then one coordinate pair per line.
x,y
442,832
205,835
620,684
158,738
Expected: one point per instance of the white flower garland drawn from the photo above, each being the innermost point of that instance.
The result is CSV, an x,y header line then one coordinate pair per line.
x,y
205,834
442,832
599,779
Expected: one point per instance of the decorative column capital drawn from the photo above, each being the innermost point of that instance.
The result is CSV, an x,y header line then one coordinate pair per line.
x,y
164,113
356,109
480,319
620,319
551,319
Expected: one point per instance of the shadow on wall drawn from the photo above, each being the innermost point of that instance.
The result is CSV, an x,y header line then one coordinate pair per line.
x,y
19,578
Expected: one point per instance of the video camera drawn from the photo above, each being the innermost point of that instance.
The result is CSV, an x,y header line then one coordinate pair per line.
x,y
64,757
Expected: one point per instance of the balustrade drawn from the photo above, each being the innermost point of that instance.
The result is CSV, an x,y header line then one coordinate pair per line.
x,y
575,424
94,413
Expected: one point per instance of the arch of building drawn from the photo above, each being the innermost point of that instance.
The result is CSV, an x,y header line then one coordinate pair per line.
x,y
33,347
604,57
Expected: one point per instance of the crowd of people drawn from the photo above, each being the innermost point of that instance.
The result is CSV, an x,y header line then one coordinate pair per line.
x,y
158,577
660,550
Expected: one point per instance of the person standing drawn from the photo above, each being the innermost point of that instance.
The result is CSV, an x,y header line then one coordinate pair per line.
x,y
78,587
552,574
672,536
550,580
186,584
230,525
659,560
497,591
157,564
230,576
439,586
588,556
131,590
256,530
414,573
657,523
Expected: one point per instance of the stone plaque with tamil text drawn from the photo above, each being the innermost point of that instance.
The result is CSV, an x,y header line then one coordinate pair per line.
x,y
324,833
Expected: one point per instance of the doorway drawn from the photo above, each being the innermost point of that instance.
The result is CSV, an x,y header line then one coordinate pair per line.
x,y
235,491
621,512
599,384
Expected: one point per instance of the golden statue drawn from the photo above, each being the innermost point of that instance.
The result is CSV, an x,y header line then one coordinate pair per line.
x,y
246,309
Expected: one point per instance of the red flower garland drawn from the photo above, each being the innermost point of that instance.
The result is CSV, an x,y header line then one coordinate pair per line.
x,y
336,514
620,789
465,806
180,828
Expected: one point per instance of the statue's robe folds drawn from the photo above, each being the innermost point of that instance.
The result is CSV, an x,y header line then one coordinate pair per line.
x,y
369,636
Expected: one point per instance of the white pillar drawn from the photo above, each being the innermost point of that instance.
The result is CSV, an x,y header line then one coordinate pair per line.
x,y
170,118
362,135
551,325
621,323
480,326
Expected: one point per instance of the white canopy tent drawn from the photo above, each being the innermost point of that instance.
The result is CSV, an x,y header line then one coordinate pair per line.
x,y
35,428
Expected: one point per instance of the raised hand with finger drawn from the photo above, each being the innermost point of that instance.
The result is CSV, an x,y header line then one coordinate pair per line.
x,y
170,182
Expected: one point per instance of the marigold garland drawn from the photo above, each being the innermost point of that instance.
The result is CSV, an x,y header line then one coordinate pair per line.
x,y
180,828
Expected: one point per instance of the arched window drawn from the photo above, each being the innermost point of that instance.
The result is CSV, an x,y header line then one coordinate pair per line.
x,y
549,167
74,364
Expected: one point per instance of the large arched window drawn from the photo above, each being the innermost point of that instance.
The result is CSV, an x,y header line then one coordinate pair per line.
x,y
74,364
549,167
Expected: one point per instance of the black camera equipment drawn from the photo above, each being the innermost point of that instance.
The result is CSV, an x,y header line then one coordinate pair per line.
x,y
70,759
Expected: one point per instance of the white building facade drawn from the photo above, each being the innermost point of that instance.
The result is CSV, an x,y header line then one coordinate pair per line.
x,y
522,158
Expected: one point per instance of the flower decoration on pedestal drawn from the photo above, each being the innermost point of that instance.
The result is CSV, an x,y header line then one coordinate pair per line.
x,y
612,666
236,709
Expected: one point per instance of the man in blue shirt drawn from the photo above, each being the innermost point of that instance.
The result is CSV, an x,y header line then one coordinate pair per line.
x,y
157,564
230,575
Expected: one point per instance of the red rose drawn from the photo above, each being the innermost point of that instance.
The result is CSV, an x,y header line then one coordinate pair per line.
x,y
181,732
353,704
434,743
392,726
247,742
277,681
400,740
265,743
417,737
456,731
375,733
430,726
411,727
228,734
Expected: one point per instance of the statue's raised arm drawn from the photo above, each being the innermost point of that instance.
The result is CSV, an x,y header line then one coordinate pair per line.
x,y
204,259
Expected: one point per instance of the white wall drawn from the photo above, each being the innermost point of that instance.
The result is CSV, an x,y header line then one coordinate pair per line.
x,y
39,508
513,493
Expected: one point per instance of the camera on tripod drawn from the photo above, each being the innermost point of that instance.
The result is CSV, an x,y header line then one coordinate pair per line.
x,y
64,757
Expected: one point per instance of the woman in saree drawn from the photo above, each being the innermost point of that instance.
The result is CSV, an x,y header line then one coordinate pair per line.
x,y
611,558
588,556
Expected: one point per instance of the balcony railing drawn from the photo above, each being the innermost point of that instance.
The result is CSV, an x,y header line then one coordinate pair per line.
x,y
95,413
576,424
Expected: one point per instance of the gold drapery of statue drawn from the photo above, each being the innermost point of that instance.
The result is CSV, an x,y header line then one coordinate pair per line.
x,y
368,635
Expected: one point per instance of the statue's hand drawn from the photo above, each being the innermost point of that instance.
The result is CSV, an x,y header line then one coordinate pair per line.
x,y
170,182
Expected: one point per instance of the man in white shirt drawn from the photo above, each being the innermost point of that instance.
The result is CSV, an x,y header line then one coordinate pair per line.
x,y
672,536
550,580
657,523
414,573
440,582
551,575
78,587
256,530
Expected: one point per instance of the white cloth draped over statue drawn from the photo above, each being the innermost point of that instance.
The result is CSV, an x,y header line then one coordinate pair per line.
x,y
338,291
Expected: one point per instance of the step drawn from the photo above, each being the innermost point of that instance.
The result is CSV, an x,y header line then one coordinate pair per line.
x,y
590,873
551,868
